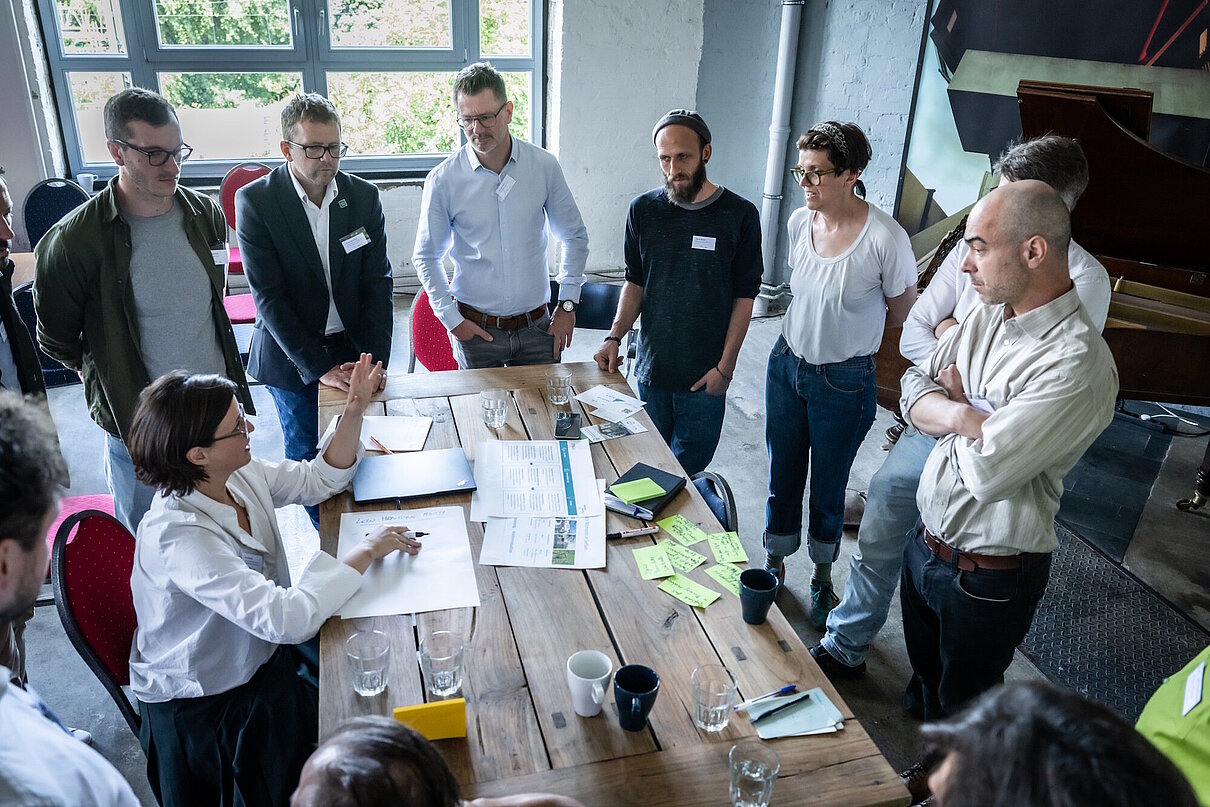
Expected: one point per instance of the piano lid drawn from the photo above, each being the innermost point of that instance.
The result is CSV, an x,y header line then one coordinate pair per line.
x,y
1141,204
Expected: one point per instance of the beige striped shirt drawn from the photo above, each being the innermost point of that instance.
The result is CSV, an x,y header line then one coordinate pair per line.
x,y
1051,381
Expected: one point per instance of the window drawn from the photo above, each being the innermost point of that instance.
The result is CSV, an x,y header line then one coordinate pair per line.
x,y
228,66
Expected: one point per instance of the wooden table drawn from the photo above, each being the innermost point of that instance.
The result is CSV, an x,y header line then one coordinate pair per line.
x,y
23,267
522,733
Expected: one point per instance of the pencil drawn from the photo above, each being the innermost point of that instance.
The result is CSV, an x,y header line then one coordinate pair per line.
x,y
381,447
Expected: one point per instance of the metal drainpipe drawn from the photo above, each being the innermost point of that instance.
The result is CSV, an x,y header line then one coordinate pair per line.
x,y
779,131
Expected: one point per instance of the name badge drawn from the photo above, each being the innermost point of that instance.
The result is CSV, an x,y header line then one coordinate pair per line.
x,y
253,561
703,242
1193,688
506,185
355,240
219,256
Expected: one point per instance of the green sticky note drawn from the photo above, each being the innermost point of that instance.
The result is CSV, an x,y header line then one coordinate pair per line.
x,y
687,591
636,490
653,562
727,576
683,559
727,548
682,529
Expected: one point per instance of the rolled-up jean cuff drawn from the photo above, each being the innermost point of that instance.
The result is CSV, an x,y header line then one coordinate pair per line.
x,y
822,551
783,545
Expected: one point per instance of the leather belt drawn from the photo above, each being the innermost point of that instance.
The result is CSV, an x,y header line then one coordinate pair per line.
x,y
972,561
513,323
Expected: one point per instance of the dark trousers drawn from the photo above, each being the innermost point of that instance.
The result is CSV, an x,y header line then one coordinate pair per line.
x,y
961,627
243,747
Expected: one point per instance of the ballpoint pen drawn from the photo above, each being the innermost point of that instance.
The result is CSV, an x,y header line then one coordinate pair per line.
x,y
786,690
637,531
804,696
633,510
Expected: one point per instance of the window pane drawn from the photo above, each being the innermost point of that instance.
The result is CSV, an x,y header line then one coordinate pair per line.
x,y
89,92
390,23
225,23
518,93
396,113
504,27
91,27
230,115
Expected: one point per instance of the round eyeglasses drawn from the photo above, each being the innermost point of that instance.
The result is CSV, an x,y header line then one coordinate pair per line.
x,y
157,157
812,177
240,430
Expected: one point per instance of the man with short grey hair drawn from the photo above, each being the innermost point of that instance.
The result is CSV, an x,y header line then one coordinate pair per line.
x,y
129,285
488,206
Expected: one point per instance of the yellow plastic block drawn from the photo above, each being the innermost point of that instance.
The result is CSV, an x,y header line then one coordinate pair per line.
x,y
436,721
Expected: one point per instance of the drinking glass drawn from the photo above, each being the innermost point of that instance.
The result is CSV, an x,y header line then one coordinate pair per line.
x,y
558,385
441,653
369,654
495,406
754,768
713,696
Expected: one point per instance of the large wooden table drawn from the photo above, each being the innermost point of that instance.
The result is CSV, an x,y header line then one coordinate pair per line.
x,y
522,733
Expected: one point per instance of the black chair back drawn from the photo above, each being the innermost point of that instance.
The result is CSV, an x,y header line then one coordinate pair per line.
x,y
47,203
53,373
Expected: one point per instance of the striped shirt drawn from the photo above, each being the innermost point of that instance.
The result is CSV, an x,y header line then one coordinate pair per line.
x,y
1051,381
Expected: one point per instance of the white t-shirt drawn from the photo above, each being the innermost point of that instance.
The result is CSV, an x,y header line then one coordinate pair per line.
x,y
950,294
839,306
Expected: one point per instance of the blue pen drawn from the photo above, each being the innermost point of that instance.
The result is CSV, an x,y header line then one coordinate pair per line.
x,y
633,510
786,690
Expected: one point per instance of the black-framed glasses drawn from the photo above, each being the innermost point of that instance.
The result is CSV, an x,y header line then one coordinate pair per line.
x,y
487,121
314,151
157,157
240,430
812,177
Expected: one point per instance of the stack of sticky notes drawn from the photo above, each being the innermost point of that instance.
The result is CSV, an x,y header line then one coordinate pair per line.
x,y
636,490
438,720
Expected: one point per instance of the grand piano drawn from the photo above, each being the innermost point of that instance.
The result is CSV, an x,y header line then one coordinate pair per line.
x,y
1146,216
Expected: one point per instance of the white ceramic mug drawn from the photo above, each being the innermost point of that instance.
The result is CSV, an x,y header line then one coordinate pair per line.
x,y
87,181
587,675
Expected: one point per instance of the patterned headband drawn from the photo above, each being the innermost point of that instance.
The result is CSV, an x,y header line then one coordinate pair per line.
x,y
835,137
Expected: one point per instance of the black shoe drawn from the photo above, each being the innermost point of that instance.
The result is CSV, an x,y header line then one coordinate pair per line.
x,y
916,780
832,667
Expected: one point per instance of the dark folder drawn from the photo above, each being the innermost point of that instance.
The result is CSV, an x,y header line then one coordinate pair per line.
x,y
671,483
416,473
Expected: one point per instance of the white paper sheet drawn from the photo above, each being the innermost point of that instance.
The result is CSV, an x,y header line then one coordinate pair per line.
x,y
554,543
396,432
608,431
602,396
441,576
536,478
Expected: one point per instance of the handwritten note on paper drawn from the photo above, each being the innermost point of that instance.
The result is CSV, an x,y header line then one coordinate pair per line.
x,y
682,529
727,576
687,591
653,562
683,559
727,548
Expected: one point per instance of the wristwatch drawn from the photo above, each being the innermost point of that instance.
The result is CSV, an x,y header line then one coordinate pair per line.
x,y
568,306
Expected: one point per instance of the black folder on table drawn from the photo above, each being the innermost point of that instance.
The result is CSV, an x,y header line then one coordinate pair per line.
x,y
416,473
670,483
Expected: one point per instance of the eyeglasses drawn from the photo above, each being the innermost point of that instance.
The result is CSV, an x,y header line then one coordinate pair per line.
x,y
157,157
486,121
812,177
240,430
317,152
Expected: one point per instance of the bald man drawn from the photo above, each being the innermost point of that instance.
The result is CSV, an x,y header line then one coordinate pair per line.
x,y
1014,394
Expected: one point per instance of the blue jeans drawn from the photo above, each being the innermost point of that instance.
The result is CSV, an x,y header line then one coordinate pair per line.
x,y
888,522
961,628
529,345
298,413
689,422
131,498
816,416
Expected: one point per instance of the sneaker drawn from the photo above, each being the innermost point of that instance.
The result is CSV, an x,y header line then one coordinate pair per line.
x,y
916,780
82,735
834,668
823,600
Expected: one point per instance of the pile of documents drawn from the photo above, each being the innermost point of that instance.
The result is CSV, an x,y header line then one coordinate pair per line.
x,y
670,560
616,409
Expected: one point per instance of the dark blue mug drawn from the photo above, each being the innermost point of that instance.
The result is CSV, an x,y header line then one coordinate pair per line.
x,y
757,588
634,691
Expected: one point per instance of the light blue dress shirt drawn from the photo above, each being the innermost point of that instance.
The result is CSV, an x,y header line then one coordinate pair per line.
x,y
493,226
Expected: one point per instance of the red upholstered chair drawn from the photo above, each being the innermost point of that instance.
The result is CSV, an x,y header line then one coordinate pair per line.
x,y
430,339
68,507
240,308
92,592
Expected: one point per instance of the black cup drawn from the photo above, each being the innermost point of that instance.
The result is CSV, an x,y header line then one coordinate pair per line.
x,y
634,691
757,588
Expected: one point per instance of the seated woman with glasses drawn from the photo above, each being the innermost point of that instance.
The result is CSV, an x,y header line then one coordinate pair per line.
x,y
226,688
851,272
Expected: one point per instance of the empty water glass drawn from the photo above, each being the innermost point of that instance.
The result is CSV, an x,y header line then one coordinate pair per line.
x,y
713,696
754,768
441,654
369,654
495,406
558,385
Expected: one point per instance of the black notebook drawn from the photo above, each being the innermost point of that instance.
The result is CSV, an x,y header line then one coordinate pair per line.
x,y
671,483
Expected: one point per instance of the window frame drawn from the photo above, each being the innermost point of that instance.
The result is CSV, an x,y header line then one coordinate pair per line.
x,y
311,55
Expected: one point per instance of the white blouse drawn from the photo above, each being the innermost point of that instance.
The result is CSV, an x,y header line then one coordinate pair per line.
x,y
213,602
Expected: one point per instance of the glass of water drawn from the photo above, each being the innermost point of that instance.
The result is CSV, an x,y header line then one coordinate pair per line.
x,y
713,696
495,406
754,768
369,654
441,653
558,385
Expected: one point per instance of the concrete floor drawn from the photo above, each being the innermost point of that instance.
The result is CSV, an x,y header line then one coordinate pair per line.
x,y
72,691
